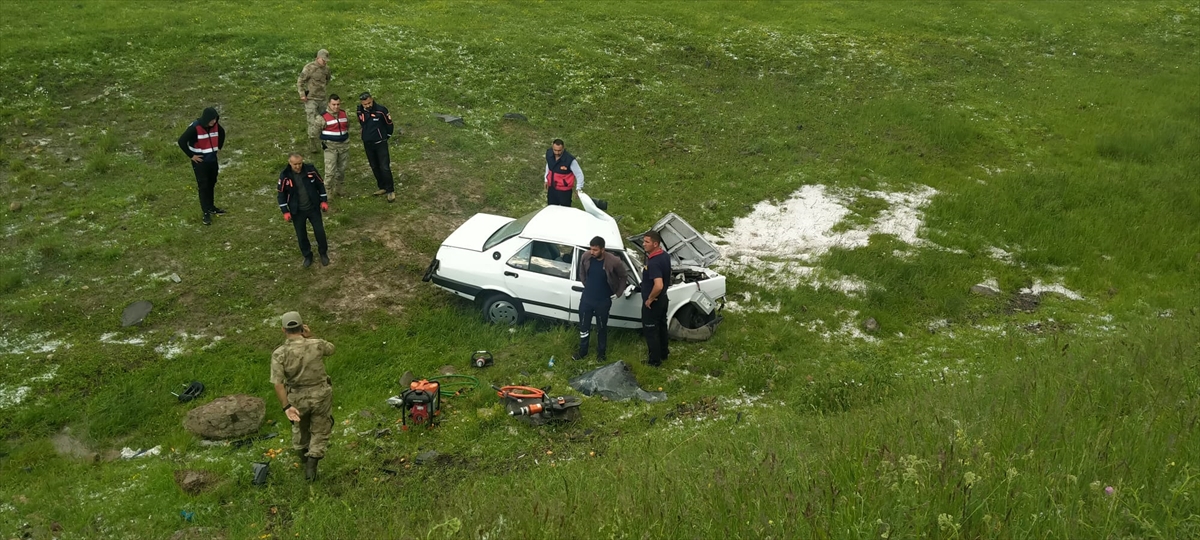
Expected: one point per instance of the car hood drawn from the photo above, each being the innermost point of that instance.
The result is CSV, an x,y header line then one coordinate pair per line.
x,y
472,234
682,241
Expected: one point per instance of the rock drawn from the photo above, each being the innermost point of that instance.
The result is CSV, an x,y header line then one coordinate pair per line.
x,y
871,325
227,417
135,312
984,290
14,206
425,457
200,533
174,277
518,117
407,379
447,370
451,119
194,482
69,184
68,446
711,204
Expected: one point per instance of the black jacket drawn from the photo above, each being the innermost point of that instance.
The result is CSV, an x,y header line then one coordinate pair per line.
x,y
376,123
312,182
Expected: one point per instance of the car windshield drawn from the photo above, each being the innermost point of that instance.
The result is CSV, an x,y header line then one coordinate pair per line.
x,y
509,230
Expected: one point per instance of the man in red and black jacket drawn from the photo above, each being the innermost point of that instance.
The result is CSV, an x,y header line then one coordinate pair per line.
x,y
302,198
200,142
376,124
562,175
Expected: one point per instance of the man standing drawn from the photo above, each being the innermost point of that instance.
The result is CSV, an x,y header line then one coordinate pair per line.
x,y
304,390
603,276
335,136
562,175
302,198
376,124
200,142
656,278
311,85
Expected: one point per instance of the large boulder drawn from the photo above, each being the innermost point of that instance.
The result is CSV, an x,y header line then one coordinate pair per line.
x,y
227,417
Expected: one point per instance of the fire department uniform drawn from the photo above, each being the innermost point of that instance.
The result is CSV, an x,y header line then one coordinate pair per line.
x,y
562,175
200,139
300,197
335,136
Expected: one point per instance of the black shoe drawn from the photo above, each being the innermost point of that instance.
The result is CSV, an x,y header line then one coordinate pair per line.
x,y
578,356
215,210
602,357
308,261
310,469
324,260
207,218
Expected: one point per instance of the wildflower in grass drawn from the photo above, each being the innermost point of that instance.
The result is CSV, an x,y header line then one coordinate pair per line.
x,y
1010,473
1095,485
946,522
969,479
1109,490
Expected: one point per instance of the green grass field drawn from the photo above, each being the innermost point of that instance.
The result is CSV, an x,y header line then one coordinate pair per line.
x,y
1062,140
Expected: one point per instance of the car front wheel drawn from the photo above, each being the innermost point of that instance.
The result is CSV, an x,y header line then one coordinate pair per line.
x,y
502,309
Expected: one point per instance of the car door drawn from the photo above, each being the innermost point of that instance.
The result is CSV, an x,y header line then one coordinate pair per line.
x,y
626,311
539,274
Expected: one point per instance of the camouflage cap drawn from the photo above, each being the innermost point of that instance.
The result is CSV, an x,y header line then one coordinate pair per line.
x,y
292,320
323,54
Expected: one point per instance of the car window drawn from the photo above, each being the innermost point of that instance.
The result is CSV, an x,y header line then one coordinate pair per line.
x,y
508,230
633,273
544,258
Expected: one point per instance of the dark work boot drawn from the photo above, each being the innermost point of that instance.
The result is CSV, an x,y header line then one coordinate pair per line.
x,y
324,260
310,469
302,455
308,261
215,210
207,218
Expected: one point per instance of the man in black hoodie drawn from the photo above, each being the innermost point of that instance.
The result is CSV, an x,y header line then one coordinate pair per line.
x,y
302,198
200,142
376,124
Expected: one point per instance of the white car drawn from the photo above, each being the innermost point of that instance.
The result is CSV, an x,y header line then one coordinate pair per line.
x,y
513,268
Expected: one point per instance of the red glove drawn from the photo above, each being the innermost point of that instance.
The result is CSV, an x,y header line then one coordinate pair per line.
x,y
287,216
324,207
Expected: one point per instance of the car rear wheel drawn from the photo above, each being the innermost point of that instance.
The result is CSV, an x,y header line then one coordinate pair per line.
x,y
502,309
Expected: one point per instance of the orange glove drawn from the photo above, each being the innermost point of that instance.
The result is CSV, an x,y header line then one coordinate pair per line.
x,y
324,207
287,216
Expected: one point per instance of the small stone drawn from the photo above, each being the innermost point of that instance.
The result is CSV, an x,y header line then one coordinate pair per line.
x,y
425,457
451,119
871,325
14,206
515,117
69,184
175,278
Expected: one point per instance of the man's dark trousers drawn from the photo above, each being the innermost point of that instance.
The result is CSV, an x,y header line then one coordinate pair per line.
x,y
381,164
588,309
314,216
206,181
654,326
558,197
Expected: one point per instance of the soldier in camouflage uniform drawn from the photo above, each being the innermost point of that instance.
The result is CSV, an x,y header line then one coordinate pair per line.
x,y
311,85
305,390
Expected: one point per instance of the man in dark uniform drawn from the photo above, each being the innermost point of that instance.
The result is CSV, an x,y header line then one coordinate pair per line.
x,y
302,198
656,279
376,124
200,142
562,175
603,276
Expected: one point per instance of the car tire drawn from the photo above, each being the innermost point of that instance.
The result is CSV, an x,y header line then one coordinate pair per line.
x,y
692,324
502,309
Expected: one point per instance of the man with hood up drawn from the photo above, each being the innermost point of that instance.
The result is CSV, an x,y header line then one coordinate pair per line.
x,y
200,142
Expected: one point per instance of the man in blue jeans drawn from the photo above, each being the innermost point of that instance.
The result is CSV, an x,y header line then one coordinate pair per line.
x,y
603,276
656,279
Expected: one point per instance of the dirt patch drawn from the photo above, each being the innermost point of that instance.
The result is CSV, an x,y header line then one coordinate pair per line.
x,y
194,482
68,446
1023,303
701,407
